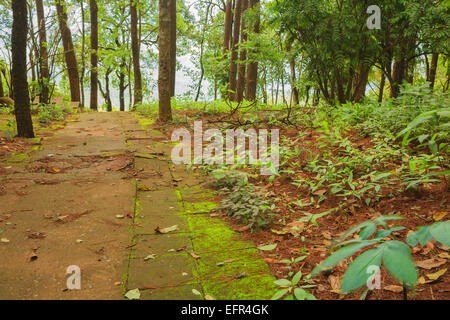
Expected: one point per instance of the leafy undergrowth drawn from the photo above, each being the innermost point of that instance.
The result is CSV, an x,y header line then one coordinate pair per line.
x,y
45,120
342,167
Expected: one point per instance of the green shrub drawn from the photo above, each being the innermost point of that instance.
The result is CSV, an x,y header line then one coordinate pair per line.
x,y
49,113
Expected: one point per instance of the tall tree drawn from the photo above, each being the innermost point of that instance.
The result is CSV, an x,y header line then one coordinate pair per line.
x,y
252,68
94,54
43,53
228,26
164,78
240,85
69,52
19,69
83,52
234,50
135,48
293,78
173,45
433,69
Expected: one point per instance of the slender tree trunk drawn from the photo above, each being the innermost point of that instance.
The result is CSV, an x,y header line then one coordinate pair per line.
x,y
94,54
136,52
173,45
83,53
382,85
43,53
252,68
202,45
240,86
108,91
71,60
228,26
164,79
433,69
264,87
293,78
21,99
33,74
234,50
122,86
2,91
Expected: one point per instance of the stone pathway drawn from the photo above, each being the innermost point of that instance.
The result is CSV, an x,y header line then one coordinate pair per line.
x,y
93,196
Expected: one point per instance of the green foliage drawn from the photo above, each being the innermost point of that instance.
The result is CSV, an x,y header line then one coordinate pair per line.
x,y
292,290
246,203
439,231
49,113
243,200
395,255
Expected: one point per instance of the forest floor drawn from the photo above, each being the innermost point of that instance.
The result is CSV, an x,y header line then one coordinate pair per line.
x,y
101,193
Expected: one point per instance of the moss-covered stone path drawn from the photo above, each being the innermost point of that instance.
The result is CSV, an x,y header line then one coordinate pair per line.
x,y
95,196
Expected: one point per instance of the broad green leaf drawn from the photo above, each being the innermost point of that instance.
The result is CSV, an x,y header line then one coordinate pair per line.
x,y
341,255
296,279
283,283
423,236
368,231
441,232
386,233
300,259
280,294
300,294
357,274
397,259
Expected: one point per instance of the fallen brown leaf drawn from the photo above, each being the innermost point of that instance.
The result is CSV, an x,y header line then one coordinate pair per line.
x,y
395,289
431,263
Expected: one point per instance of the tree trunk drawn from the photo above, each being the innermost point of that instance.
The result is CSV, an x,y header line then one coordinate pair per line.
x,y
83,53
173,45
69,52
433,69
234,50
202,45
136,52
43,53
228,26
2,91
362,79
398,75
21,99
94,54
293,79
240,86
122,86
252,68
382,84
164,79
